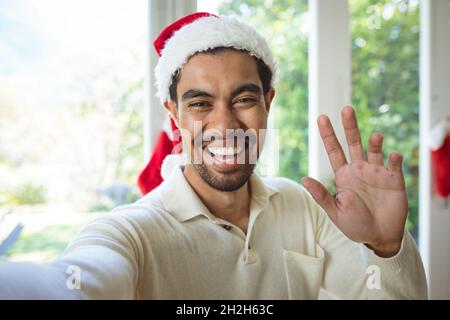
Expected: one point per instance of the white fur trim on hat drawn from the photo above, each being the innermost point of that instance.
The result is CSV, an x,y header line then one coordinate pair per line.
x,y
171,162
438,134
204,34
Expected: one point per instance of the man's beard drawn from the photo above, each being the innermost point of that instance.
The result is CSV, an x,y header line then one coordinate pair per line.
x,y
226,181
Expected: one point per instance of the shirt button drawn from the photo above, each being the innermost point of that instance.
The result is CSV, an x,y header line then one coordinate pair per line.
x,y
227,227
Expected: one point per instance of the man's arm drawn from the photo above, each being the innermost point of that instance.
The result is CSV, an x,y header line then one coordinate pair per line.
x,y
99,264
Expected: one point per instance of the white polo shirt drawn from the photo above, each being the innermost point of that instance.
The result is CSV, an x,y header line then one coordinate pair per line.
x,y
169,246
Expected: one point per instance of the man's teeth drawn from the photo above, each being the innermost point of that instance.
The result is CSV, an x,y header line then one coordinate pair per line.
x,y
225,151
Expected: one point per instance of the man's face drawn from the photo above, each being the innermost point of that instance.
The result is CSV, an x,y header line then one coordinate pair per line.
x,y
222,94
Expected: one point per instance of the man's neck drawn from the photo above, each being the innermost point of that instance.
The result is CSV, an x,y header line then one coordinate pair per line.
x,y
233,206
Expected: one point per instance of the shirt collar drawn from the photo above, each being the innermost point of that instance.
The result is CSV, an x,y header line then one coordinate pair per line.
x,y
183,203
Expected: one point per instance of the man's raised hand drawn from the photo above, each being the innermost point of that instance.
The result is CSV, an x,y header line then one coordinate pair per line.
x,y
371,203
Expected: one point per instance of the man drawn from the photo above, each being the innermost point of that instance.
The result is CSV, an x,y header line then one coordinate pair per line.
x,y
214,229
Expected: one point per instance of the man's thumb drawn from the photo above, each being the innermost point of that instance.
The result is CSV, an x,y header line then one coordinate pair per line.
x,y
321,195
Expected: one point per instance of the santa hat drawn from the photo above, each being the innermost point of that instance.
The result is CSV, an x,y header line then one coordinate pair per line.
x,y
440,154
182,39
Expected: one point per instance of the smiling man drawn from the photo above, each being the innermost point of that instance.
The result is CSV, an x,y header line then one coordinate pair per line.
x,y
222,91
214,229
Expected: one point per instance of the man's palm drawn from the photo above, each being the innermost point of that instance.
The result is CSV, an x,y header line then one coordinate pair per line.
x,y
371,204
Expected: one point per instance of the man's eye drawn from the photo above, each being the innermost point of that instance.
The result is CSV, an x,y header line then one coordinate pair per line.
x,y
198,104
246,100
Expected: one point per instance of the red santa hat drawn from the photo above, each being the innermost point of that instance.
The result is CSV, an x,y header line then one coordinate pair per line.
x,y
440,154
182,39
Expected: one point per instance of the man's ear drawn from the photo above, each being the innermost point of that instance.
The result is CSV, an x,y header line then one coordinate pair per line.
x,y
268,98
171,106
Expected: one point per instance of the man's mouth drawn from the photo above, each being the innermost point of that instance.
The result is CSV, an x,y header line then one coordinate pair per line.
x,y
224,153
225,156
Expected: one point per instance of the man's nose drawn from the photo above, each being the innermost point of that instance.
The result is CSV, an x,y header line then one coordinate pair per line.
x,y
223,117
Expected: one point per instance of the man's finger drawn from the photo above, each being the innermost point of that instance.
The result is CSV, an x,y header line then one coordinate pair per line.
x,y
322,196
395,162
332,145
375,149
352,134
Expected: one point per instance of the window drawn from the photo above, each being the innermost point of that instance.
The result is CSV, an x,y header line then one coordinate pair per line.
x,y
71,110
385,81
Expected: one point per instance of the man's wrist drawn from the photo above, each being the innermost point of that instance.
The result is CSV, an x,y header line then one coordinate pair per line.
x,y
385,250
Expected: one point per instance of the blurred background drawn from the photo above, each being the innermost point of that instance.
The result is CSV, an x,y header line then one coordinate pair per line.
x,y
73,90
71,97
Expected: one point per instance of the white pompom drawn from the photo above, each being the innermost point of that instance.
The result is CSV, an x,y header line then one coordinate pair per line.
x,y
171,162
438,134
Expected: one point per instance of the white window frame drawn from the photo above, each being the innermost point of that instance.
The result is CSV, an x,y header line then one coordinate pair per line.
x,y
434,213
161,13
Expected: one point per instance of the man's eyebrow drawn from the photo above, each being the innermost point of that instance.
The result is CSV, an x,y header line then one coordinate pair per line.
x,y
195,93
251,87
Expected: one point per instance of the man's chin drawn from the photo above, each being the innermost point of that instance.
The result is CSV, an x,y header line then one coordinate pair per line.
x,y
225,179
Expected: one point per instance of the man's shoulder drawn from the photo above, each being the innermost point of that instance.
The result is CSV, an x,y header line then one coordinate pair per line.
x,y
147,207
290,192
145,210
283,185
293,202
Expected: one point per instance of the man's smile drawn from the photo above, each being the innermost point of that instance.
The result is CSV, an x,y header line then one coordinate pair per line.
x,y
225,155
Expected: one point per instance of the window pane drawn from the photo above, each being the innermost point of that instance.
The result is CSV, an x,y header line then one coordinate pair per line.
x,y
71,101
385,71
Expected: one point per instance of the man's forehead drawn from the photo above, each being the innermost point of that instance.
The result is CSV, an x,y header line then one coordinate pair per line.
x,y
225,68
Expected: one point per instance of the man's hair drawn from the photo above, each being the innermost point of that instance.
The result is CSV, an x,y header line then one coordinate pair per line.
x,y
264,72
